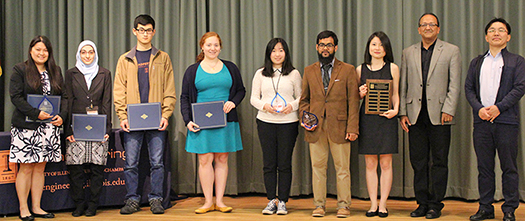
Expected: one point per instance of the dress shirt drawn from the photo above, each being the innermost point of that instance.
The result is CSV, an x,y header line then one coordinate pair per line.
x,y
490,77
426,57
329,70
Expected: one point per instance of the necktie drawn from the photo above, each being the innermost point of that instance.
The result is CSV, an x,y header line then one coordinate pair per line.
x,y
326,76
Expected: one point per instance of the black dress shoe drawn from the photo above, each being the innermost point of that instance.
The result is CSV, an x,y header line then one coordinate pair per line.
x,y
482,215
46,216
382,215
91,212
27,218
78,212
372,213
420,211
433,214
509,216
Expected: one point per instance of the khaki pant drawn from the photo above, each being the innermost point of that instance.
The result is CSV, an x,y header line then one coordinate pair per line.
x,y
319,157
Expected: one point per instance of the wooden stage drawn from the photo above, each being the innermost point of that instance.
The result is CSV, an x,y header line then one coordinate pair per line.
x,y
250,207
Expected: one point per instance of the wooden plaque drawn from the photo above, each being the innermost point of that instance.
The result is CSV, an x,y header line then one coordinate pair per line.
x,y
379,96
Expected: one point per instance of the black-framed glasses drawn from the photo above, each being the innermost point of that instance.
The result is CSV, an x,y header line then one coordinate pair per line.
x,y
493,30
329,45
428,24
142,31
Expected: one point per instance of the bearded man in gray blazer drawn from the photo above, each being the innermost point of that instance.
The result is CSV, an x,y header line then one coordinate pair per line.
x,y
429,91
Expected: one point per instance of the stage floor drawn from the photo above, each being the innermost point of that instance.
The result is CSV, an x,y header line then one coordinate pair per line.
x,y
250,207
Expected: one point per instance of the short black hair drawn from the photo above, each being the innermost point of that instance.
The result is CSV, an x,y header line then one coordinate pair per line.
x,y
385,41
327,34
427,13
494,20
144,19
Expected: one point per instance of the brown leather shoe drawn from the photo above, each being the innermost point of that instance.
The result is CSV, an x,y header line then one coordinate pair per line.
x,y
319,211
343,212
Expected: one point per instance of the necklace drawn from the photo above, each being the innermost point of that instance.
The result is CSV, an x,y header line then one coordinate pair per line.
x,y
371,67
212,67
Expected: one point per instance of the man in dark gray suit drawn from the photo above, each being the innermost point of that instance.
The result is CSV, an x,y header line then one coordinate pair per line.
x,y
429,92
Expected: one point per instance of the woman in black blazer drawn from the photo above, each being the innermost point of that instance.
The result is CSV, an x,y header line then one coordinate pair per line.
x,y
34,143
89,90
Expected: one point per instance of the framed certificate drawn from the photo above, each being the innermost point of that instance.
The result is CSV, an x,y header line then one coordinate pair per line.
x,y
144,116
47,103
209,114
379,96
89,127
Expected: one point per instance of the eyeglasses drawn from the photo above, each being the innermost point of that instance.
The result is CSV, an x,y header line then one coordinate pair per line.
x,y
493,30
141,31
329,45
428,24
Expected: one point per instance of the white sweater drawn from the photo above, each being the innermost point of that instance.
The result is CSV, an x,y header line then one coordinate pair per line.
x,y
263,92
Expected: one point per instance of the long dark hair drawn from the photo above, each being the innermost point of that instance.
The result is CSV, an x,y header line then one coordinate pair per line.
x,y
385,41
32,73
200,57
268,64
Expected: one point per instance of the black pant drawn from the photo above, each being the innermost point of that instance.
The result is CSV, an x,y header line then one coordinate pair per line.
x,y
429,147
78,177
489,138
277,143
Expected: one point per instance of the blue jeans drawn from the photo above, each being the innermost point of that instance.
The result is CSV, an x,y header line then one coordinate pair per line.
x,y
132,145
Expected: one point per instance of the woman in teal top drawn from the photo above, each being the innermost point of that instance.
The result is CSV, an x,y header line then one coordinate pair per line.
x,y
212,79
214,87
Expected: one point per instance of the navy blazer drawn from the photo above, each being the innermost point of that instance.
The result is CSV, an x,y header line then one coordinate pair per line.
x,y
19,89
511,89
189,92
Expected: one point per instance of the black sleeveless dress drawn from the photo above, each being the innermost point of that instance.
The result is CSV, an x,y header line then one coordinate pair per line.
x,y
377,134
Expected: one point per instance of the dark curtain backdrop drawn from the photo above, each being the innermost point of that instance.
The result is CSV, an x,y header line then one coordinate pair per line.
x,y
245,27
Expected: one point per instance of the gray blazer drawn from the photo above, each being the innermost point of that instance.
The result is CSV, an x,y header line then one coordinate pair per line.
x,y
443,83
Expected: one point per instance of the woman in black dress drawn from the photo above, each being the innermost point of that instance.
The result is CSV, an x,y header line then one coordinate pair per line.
x,y
33,144
378,133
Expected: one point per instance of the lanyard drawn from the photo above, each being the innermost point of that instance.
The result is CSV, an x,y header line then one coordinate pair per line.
x,y
279,105
278,80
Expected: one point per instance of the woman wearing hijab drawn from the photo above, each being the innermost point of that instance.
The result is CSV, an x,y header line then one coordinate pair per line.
x,y
89,88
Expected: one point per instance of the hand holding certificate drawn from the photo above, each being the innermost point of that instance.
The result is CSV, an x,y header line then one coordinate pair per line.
x,y
208,115
144,116
89,127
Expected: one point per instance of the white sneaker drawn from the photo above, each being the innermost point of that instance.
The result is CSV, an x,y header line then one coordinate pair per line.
x,y
281,208
271,208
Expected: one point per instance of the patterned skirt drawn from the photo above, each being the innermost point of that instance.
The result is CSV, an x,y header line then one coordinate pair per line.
x,y
35,146
81,152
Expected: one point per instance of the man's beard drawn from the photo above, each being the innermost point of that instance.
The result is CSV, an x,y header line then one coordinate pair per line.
x,y
326,60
